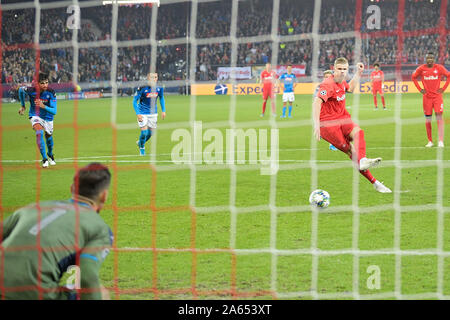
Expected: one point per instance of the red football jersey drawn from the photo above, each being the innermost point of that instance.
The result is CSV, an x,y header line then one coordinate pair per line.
x,y
333,95
376,77
268,78
431,78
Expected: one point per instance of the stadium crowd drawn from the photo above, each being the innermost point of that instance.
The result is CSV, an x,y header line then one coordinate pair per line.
x,y
213,20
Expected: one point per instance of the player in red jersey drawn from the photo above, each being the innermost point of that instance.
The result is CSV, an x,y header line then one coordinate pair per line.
x,y
268,79
431,74
377,78
334,124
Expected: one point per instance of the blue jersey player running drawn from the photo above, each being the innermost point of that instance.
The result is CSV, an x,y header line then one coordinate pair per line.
x,y
144,104
41,113
288,80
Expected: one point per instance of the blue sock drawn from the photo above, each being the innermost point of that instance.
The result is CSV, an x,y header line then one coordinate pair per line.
x,y
40,143
49,145
284,111
142,138
149,135
290,110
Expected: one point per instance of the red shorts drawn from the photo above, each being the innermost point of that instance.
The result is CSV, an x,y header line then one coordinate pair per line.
x,y
337,132
268,91
377,89
435,103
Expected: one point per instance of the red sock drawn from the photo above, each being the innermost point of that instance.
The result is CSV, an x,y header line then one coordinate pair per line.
x,y
440,125
382,101
375,101
360,145
428,126
368,176
264,106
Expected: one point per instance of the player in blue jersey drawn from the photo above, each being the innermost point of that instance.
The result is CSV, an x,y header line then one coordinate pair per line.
x,y
144,104
41,114
288,80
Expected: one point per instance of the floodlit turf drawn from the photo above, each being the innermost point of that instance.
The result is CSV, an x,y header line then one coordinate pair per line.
x,y
149,204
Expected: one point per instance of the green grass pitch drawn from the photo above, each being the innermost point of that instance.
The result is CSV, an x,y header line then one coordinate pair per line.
x,y
135,271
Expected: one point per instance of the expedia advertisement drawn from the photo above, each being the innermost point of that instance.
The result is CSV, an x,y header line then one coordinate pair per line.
x,y
300,88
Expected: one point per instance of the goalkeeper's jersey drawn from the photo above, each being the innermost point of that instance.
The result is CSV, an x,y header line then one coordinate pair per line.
x,y
34,253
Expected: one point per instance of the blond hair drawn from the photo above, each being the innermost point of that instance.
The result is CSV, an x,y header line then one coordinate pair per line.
x,y
327,72
340,60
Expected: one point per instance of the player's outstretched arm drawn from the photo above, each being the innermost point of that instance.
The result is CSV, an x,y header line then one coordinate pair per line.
x,y
89,278
162,102
51,108
414,77
356,78
92,256
8,226
316,106
446,74
136,99
22,94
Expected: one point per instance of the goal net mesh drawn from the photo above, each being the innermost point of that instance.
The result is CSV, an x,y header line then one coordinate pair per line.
x,y
114,48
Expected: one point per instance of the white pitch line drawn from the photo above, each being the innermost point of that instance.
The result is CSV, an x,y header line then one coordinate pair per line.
x,y
108,159
237,152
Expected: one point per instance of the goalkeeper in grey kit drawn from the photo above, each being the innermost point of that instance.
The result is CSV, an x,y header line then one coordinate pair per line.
x,y
42,240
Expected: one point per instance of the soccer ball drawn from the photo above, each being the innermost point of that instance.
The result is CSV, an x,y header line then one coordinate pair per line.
x,y
319,199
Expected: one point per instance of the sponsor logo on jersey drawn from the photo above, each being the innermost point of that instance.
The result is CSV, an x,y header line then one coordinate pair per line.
x,y
151,95
431,78
341,98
